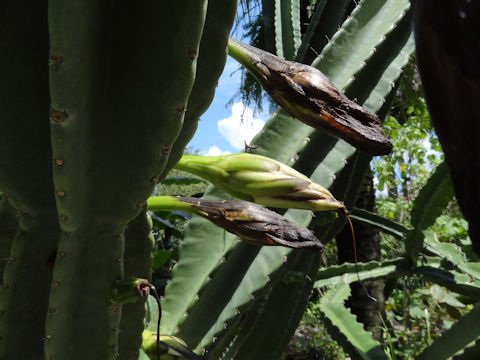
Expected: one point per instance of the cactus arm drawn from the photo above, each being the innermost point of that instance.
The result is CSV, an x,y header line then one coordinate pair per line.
x,y
380,222
210,64
310,31
137,262
123,110
25,175
287,28
259,343
365,29
323,24
360,344
365,271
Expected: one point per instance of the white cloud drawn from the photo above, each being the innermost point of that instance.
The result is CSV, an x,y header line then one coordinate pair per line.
x,y
240,127
215,151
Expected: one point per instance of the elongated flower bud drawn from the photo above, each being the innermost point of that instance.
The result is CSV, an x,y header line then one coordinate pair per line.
x,y
308,95
249,221
261,180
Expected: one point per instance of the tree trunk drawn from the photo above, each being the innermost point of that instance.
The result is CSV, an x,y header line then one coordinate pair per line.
x,y
367,311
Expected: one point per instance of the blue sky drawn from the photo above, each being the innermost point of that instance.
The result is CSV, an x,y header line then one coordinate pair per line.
x,y
224,128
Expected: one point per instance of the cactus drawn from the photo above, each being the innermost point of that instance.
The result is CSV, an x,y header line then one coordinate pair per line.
x,y
320,157
25,176
98,100
103,106
9,226
137,262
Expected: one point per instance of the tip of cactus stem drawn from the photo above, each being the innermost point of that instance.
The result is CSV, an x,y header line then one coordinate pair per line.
x,y
309,96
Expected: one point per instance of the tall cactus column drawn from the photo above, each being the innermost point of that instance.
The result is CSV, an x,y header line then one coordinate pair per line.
x,y
26,177
120,78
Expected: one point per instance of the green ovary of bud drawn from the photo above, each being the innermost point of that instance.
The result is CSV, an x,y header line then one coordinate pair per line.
x,y
261,180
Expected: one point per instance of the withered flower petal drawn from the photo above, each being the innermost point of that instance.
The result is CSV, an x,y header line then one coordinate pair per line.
x,y
254,223
308,95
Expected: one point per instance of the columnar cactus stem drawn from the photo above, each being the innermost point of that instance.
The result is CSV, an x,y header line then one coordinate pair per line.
x,y
211,61
120,79
25,175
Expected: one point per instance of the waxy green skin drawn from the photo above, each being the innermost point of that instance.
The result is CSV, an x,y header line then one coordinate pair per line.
x,y
138,261
119,84
261,180
25,176
210,65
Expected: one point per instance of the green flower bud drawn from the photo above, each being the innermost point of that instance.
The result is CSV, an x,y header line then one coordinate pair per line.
x,y
261,180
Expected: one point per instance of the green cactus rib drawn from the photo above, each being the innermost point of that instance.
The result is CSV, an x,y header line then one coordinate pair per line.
x,y
287,28
323,25
361,344
261,340
25,176
339,63
120,77
8,230
365,271
137,263
210,64
384,224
